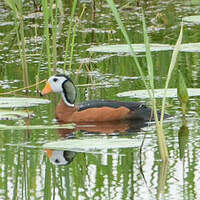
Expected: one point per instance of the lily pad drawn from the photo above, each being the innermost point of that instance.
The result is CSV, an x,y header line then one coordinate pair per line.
x,y
195,19
190,47
34,15
14,115
124,48
16,102
140,48
88,145
159,93
35,127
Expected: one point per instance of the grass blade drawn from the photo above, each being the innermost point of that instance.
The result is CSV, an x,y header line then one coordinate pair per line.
x,y
148,55
123,30
171,67
69,33
46,32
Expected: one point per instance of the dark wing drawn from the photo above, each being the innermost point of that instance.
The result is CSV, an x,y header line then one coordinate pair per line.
x,y
139,110
107,103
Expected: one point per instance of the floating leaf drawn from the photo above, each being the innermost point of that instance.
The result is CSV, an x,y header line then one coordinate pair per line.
x,y
195,19
140,48
190,47
87,145
159,93
14,115
34,127
16,102
35,15
124,48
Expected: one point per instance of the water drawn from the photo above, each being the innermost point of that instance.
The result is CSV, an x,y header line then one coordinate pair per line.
x,y
26,171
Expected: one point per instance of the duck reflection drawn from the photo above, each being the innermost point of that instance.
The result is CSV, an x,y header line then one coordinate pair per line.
x,y
108,128
58,157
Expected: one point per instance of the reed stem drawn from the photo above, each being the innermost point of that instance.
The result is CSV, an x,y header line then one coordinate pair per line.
x,y
23,54
171,67
54,33
69,34
46,33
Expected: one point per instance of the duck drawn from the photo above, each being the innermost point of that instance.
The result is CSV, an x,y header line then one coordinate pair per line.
x,y
68,111
60,157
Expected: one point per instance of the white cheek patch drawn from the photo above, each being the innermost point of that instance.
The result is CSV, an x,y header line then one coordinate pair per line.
x,y
56,86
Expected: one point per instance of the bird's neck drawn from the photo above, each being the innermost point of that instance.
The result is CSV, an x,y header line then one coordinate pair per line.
x,y
64,99
64,112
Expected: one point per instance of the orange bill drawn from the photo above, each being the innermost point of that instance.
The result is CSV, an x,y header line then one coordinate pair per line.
x,y
47,89
49,152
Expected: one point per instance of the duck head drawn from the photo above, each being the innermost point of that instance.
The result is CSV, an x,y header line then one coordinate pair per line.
x,y
61,84
57,157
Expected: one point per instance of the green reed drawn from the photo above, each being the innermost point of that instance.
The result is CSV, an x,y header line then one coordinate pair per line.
x,y
46,32
182,93
149,84
69,32
171,68
51,14
73,40
54,33
17,8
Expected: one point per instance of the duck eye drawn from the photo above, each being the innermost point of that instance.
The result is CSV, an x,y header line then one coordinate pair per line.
x,y
55,79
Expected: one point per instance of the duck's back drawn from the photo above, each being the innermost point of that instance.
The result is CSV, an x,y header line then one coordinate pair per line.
x,y
135,110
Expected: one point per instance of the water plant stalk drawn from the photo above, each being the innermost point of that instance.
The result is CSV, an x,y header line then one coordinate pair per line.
x,y
54,33
159,129
73,38
69,34
171,67
23,54
46,32
72,46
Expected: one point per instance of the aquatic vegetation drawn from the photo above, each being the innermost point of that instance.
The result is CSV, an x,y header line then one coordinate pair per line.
x,y
17,102
20,102
46,32
92,145
140,48
32,127
51,19
182,92
67,42
158,93
6,114
195,20
150,84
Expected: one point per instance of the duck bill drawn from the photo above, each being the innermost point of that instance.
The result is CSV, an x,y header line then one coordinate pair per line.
x,y
47,89
49,152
